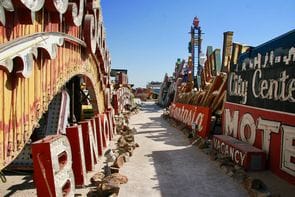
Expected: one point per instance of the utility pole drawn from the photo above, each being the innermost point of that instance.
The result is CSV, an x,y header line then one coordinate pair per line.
x,y
195,50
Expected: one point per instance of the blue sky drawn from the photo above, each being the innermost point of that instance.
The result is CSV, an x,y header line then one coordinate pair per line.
x,y
147,36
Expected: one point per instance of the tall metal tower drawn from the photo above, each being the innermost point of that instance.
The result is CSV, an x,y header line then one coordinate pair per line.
x,y
195,50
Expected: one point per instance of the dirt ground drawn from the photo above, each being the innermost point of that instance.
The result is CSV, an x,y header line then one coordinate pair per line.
x,y
167,165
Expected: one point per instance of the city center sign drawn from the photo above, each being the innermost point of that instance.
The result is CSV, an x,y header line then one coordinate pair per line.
x,y
260,107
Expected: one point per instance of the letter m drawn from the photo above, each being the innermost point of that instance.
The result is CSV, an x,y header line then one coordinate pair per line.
x,y
231,123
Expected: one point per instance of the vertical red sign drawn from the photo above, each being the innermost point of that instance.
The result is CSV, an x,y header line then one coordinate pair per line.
x,y
74,135
90,144
53,174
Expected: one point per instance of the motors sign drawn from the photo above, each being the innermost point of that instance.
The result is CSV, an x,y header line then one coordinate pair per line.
x,y
260,107
190,114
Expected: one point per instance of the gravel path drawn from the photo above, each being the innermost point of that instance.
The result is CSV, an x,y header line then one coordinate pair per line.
x,y
166,164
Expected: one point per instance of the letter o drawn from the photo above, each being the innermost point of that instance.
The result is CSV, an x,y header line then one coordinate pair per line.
x,y
247,119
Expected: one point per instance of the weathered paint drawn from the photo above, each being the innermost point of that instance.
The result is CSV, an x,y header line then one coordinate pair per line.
x,y
53,174
27,89
53,152
226,51
111,122
115,103
260,107
105,129
74,135
90,144
121,97
240,152
271,131
99,135
189,114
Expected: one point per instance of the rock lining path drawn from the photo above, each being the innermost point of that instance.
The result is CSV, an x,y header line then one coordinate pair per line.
x,y
166,164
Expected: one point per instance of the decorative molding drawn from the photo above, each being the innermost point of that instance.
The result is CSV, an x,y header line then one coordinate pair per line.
x,y
5,5
2,16
78,12
26,48
90,32
60,6
33,5
74,14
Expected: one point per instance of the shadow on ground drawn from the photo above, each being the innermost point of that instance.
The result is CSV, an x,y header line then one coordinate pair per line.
x,y
159,130
182,169
184,173
26,184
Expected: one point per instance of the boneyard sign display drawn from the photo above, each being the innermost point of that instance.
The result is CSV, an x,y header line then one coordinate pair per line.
x,y
260,107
